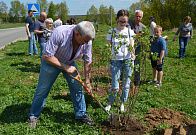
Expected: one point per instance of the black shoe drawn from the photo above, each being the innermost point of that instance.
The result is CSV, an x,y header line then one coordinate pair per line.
x,y
86,119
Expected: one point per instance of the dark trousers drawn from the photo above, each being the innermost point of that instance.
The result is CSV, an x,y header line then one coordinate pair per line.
x,y
137,66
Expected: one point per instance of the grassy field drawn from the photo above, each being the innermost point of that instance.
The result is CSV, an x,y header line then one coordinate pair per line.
x,y
19,76
11,25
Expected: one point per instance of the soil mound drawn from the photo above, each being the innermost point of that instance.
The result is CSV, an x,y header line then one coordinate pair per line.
x,y
123,125
180,125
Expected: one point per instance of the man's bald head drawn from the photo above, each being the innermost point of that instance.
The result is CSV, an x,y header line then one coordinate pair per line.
x,y
43,16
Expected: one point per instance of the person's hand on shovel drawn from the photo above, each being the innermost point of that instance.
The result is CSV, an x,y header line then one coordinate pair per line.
x,y
88,85
70,69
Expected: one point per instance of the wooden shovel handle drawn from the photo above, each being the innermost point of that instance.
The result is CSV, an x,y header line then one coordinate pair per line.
x,y
78,78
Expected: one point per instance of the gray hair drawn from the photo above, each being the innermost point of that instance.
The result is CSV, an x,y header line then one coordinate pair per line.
x,y
139,11
48,20
86,28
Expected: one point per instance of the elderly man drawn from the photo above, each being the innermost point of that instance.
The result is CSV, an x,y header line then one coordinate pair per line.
x,y
39,30
137,26
67,43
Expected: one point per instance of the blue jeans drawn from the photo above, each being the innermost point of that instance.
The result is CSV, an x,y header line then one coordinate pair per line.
x,y
183,41
32,45
48,75
118,68
42,45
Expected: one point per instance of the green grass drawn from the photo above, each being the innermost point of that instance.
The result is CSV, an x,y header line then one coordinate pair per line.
x,y
11,25
19,76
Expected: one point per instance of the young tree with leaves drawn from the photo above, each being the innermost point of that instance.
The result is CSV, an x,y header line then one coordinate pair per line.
x,y
52,10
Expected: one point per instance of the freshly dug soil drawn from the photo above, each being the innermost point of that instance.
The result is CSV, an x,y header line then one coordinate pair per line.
x,y
123,125
180,125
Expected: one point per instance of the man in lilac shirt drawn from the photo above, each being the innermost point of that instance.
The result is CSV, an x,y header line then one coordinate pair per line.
x,y
67,44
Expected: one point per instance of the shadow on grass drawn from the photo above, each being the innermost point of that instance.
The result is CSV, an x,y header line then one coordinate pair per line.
x,y
89,100
16,54
101,79
27,66
58,116
65,97
19,113
15,113
187,56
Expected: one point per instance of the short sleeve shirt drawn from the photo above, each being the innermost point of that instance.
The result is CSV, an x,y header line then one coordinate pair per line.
x,y
39,25
30,21
158,45
120,43
60,46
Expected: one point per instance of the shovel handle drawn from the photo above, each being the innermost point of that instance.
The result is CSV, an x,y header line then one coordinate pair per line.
x,y
78,78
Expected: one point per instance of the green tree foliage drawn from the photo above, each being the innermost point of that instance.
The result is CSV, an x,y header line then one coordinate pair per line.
x,y
23,12
92,14
104,15
15,12
43,5
52,10
168,13
62,11
112,16
3,7
3,12
132,9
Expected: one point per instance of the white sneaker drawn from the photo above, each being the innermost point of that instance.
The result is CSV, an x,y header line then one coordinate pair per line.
x,y
33,121
122,108
108,107
158,85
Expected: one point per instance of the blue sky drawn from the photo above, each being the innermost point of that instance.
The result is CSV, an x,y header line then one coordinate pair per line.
x,y
79,7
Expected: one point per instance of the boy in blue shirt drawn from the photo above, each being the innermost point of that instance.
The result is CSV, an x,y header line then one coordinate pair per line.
x,y
158,48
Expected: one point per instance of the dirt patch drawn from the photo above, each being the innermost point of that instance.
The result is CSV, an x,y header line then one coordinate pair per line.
x,y
180,125
189,129
123,125
176,122
100,91
156,117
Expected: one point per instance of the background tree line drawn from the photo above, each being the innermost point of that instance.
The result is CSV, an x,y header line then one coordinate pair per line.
x,y
168,13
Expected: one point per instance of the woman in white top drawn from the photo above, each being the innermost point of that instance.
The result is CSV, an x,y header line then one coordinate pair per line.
x,y
122,44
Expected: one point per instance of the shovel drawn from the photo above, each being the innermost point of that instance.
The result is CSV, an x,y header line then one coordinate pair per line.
x,y
89,92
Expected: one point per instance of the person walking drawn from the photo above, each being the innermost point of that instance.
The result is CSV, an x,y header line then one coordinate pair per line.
x,y
29,26
185,32
66,44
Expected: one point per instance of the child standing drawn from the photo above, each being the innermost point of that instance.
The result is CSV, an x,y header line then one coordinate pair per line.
x,y
123,56
158,48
